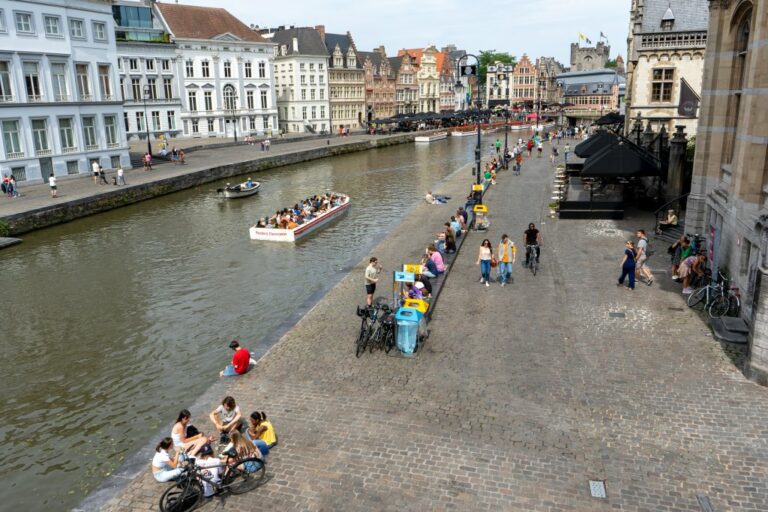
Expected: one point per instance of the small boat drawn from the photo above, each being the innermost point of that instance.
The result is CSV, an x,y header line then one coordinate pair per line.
x,y
519,126
291,235
241,190
431,138
465,133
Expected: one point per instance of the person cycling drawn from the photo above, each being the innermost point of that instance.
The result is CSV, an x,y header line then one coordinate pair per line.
x,y
532,239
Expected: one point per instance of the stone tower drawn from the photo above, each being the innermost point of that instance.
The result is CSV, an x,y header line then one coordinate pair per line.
x,y
587,57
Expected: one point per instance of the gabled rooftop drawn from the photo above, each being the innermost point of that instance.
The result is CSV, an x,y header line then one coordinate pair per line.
x,y
194,22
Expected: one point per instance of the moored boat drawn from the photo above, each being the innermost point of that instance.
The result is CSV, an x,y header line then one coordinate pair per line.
x,y
293,234
463,133
431,138
244,189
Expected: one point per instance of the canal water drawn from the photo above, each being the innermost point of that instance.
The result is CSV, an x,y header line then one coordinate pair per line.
x,y
113,323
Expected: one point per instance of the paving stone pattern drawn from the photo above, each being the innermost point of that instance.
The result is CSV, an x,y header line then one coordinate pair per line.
x,y
520,396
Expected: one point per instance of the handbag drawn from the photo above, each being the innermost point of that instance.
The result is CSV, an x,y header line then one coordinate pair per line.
x,y
494,262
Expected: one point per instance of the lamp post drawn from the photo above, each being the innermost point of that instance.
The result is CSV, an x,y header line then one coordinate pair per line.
x,y
147,95
506,136
460,85
233,107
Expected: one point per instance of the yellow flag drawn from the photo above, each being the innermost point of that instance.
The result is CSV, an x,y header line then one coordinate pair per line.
x,y
582,37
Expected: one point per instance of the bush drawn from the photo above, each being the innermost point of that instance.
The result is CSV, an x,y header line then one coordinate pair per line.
x,y
5,229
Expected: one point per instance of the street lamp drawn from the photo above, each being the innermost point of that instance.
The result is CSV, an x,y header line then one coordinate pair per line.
x,y
233,107
506,135
460,86
147,95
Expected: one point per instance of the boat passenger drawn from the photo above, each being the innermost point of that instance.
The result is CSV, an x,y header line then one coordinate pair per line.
x,y
249,183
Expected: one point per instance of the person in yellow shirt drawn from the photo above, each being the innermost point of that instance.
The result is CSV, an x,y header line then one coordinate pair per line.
x,y
261,432
507,255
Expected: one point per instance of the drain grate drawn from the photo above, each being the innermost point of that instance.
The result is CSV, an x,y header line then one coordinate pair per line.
x,y
617,314
597,488
704,503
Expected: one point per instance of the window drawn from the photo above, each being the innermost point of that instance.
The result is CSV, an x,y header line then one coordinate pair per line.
x,y
32,81
320,67
205,65
661,87
303,112
311,94
24,23
83,84
293,112
67,135
52,26
322,111
192,100
171,115
247,70
99,31
6,94
155,120
249,99
152,87
126,121
211,127
77,29
208,100
227,69
264,102
190,68
149,64
73,167
40,137
230,101
303,94
262,70
114,161
133,64
195,126
105,84
301,66
3,28
303,79
266,123
59,82
110,130
89,133
322,94
252,123
314,112
321,80
140,121
136,89
312,79
165,65
168,88
12,140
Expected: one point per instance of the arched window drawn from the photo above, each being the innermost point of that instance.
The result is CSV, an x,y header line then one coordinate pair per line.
x,y
741,46
230,100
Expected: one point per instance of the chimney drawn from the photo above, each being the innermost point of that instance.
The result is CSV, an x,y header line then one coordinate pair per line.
x,y
321,30
295,45
380,50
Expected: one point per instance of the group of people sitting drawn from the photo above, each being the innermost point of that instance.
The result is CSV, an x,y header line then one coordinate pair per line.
x,y
238,439
456,227
688,263
301,212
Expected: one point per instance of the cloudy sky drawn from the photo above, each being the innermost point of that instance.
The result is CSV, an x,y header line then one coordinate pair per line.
x,y
543,27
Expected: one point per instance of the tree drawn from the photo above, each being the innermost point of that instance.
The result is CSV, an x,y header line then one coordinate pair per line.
x,y
610,63
489,58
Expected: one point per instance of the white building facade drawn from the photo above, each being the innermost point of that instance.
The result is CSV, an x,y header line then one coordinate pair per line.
x,y
59,105
224,73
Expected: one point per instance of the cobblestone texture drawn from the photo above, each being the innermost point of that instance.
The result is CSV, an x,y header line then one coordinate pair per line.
x,y
521,395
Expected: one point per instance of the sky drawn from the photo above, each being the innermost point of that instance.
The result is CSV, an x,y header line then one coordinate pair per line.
x,y
538,28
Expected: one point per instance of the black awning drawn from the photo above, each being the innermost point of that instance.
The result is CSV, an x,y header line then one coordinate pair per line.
x,y
622,160
595,143
610,118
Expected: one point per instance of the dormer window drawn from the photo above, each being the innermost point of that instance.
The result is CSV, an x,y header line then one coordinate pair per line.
x,y
668,20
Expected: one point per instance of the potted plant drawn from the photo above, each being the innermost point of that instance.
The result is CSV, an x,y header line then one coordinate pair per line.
x,y
553,209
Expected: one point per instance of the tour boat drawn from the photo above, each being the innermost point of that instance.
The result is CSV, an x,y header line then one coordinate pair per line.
x,y
519,126
241,190
432,138
464,133
291,235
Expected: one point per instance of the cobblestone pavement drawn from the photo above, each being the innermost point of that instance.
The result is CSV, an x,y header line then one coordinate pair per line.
x,y
521,395
80,186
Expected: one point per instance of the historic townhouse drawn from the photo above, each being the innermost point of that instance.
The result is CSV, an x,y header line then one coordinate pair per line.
x,y
590,94
379,84
346,81
59,109
548,69
524,83
301,76
428,62
406,86
729,190
666,42
498,84
224,72
147,62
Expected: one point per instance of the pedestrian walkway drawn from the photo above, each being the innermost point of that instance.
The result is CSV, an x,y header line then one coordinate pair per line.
x,y
82,186
521,395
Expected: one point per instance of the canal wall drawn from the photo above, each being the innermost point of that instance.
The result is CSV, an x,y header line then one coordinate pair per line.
x,y
65,211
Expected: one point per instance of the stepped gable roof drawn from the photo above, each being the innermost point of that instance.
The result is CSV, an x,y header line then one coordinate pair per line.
x,y
344,42
195,22
688,15
310,41
415,53
376,58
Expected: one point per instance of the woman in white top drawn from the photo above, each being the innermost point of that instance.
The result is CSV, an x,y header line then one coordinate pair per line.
x,y
484,257
163,467
191,444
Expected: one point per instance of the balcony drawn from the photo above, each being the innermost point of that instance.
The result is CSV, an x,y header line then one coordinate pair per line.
x,y
92,147
7,98
86,97
34,98
61,98
113,145
68,151
43,152
107,97
15,155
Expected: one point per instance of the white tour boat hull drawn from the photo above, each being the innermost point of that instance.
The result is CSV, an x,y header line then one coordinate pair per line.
x,y
291,235
431,138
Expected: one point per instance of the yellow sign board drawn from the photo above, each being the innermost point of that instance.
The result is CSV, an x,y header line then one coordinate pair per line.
x,y
417,304
414,268
480,208
477,187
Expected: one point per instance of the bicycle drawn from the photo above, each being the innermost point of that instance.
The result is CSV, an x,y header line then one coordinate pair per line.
x,y
704,295
531,257
186,493
727,304
383,336
368,316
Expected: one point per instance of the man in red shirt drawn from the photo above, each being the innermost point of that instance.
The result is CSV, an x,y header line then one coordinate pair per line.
x,y
241,361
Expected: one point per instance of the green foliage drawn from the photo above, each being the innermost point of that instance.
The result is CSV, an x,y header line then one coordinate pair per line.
x,y
610,64
690,149
5,229
490,57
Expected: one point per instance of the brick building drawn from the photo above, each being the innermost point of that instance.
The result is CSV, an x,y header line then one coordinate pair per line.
x,y
379,84
405,68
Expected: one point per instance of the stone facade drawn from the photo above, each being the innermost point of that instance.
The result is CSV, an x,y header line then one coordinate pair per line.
x,y
729,189
498,80
548,69
59,109
589,95
379,84
666,46
586,58
346,81
406,83
524,82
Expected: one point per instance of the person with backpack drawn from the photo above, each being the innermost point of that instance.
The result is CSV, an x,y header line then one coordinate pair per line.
x,y
643,253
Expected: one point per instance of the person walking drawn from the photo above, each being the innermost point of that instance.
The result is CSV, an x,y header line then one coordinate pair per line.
x,y
628,266
498,146
371,278
566,150
52,184
642,257
102,176
507,255
484,257
14,187
95,171
121,176
147,161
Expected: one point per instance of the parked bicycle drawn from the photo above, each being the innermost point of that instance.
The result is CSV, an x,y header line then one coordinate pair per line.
x,y
186,493
727,304
377,327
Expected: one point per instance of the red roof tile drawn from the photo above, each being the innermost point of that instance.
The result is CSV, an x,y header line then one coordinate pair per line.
x,y
191,21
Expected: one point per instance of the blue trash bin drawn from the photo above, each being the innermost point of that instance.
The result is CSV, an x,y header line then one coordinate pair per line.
x,y
407,329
